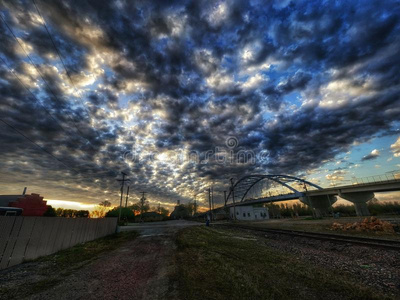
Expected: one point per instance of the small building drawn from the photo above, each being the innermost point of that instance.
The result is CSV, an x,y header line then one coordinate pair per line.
x,y
27,205
221,215
249,213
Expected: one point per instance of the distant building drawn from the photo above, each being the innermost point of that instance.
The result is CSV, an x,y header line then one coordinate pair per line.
x,y
221,215
249,213
180,212
25,205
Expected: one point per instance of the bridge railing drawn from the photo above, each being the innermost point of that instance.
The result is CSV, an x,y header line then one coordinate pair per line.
x,y
390,176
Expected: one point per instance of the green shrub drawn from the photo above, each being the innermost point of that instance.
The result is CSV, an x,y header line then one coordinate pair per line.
x,y
50,212
126,214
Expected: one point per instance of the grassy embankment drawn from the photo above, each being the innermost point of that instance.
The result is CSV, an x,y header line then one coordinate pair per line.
x,y
45,272
227,264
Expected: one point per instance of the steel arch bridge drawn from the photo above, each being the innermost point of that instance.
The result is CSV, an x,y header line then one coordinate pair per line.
x,y
242,187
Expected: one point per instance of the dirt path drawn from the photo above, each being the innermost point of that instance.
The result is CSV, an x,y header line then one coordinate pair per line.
x,y
140,269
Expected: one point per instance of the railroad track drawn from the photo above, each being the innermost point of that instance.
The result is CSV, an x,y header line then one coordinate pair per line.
x,y
336,238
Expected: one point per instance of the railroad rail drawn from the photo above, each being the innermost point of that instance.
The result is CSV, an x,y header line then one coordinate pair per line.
x,y
336,238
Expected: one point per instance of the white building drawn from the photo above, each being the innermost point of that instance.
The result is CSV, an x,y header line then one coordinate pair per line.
x,y
249,213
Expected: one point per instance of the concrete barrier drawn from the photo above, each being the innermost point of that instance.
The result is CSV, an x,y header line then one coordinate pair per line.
x,y
25,238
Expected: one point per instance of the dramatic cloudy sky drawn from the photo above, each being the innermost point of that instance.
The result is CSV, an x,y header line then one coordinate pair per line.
x,y
157,88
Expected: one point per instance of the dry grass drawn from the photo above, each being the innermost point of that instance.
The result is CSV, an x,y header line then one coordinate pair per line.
x,y
228,264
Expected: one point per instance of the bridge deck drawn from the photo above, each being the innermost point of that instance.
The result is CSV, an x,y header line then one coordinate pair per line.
x,y
381,186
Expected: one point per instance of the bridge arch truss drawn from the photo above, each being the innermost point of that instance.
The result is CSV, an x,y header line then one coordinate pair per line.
x,y
242,187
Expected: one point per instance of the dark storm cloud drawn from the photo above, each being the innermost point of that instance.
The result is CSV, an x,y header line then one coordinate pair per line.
x,y
175,75
319,134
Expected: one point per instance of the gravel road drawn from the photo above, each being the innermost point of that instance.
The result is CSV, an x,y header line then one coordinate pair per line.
x,y
140,269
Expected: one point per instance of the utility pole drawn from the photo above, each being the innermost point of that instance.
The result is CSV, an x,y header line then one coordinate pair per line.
x,y
142,201
212,202
212,197
233,199
209,200
127,196
159,208
229,213
122,193
194,204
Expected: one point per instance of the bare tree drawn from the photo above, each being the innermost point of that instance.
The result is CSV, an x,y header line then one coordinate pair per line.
x,y
105,203
101,209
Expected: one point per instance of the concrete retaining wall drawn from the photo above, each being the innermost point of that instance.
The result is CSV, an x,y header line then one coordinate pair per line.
x,y
23,238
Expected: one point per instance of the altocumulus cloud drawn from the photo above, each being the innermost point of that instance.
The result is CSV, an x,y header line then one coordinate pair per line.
x,y
298,79
396,148
373,155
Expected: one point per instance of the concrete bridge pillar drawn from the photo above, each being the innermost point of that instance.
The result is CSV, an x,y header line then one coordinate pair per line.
x,y
320,204
359,199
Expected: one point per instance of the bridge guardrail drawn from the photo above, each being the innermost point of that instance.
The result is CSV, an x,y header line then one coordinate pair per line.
x,y
370,179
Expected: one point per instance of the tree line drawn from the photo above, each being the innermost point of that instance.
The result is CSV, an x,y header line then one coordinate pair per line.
x,y
66,213
135,211
104,209
299,209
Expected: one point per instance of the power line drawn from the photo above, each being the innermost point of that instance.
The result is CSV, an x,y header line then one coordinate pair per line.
x,y
41,148
64,65
33,95
59,55
37,145
40,74
37,100
45,81
47,84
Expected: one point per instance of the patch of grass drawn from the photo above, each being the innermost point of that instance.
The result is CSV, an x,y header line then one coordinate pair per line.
x,y
50,270
79,255
228,264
